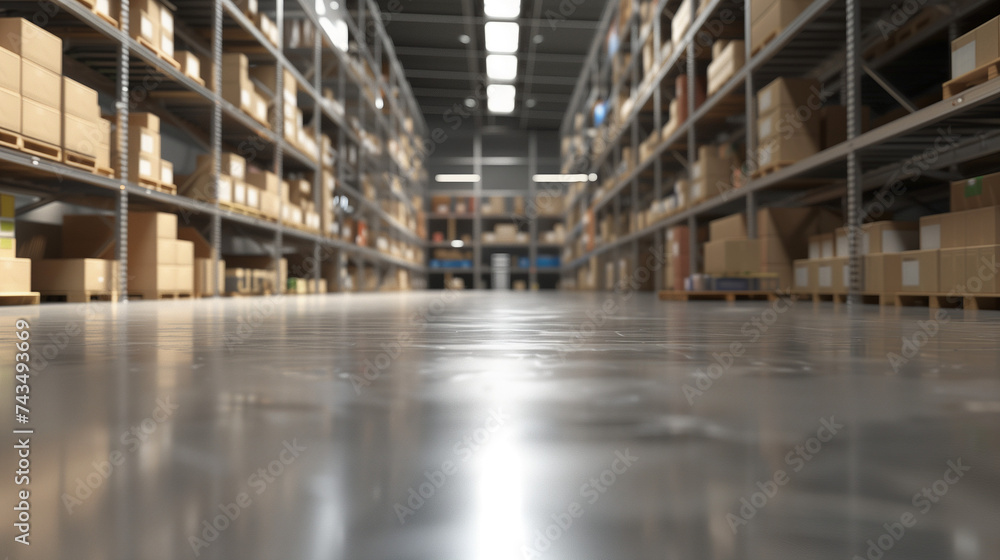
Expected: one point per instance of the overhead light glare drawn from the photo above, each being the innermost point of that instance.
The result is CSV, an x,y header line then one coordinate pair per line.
x,y
579,178
501,98
458,244
501,67
502,9
457,178
502,36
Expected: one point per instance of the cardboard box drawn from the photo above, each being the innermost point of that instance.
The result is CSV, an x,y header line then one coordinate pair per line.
x,y
166,172
822,246
41,122
144,22
889,237
952,270
976,48
774,19
10,71
145,120
804,275
919,271
183,252
976,192
10,119
270,204
842,275
204,277
786,126
681,21
144,155
166,31
883,273
240,192
730,256
15,275
824,274
253,196
787,95
725,64
41,84
982,226
74,275
943,231
730,227
32,43
184,278
263,180
80,136
240,94
104,144
778,150
190,64
80,101
984,268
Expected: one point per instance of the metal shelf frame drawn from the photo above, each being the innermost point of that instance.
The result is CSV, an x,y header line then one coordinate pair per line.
x,y
863,162
123,191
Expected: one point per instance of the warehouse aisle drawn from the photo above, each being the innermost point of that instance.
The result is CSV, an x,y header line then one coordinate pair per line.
x,y
482,426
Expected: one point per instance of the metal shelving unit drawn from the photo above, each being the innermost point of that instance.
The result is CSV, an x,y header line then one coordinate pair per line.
x,y
124,67
866,161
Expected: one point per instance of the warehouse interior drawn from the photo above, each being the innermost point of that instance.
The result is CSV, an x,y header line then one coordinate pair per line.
x,y
500,279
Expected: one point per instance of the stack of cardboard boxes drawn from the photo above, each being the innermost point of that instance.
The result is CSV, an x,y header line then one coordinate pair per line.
x,y
729,252
267,27
255,275
976,48
239,89
86,268
144,160
159,263
788,121
268,191
206,279
232,185
769,17
826,269
727,58
30,87
15,273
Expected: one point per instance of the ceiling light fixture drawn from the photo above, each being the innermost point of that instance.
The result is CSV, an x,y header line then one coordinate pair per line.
x,y
470,102
501,98
457,178
502,9
580,178
501,67
502,36
464,39
458,244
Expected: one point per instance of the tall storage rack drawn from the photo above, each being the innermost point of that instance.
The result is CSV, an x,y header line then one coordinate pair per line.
x,y
834,41
376,102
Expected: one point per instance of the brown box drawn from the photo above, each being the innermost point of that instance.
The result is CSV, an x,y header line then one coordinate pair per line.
x,y
15,275
883,273
74,275
80,136
166,42
976,192
822,246
41,122
270,204
40,84
80,101
732,256
783,271
943,231
774,19
788,95
144,22
952,273
774,251
919,271
825,269
263,180
842,277
725,64
145,120
730,227
758,7
184,278
31,42
204,277
778,150
976,48
202,248
10,116
982,226
183,252
984,267
10,71
190,64
889,237
144,154
240,94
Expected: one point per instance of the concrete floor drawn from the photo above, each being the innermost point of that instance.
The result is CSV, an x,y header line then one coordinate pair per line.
x,y
507,426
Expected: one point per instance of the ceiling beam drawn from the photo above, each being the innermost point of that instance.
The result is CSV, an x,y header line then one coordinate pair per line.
x,y
586,25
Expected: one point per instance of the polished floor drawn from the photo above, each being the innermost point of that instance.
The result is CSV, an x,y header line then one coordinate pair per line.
x,y
485,426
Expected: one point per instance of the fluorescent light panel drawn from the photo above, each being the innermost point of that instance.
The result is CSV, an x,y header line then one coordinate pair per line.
x,y
501,67
457,178
501,98
502,9
580,178
502,36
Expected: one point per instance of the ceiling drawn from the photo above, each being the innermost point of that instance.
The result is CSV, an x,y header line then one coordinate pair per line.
x,y
444,73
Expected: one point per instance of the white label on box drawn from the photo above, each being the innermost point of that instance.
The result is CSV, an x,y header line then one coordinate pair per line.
x,y
963,60
167,20
930,236
167,46
765,156
911,273
236,168
104,7
802,277
145,168
815,250
147,144
146,28
764,101
253,198
825,274
828,249
244,99
225,193
843,247
764,126
239,193
167,175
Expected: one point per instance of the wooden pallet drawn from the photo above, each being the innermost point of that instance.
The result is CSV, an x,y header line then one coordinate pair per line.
x,y
78,297
162,295
674,295
32,147
80,161
841,298
771,168
978,76
20,298
10,140
106,172
246,211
